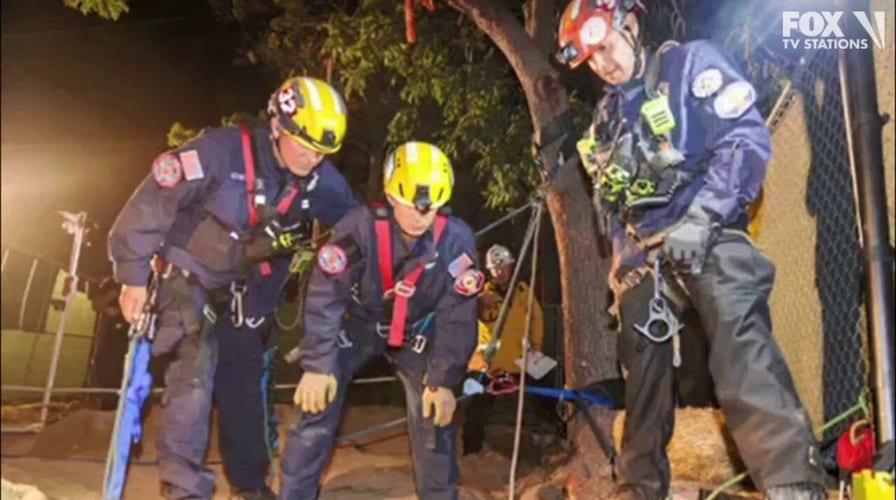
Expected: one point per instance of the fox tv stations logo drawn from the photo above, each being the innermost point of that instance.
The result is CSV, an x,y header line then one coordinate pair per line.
x,y
823,30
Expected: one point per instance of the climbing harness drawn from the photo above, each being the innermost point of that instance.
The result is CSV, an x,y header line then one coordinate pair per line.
x,y
401,290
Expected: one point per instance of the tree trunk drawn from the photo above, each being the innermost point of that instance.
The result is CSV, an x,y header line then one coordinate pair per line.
x,y
590,351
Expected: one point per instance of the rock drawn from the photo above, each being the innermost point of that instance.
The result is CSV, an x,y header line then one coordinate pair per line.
x,y
13,491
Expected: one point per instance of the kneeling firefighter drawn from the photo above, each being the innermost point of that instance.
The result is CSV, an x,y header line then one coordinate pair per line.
x,y
398,279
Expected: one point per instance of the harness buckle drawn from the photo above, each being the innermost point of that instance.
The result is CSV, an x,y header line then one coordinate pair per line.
x,y
418,343
209,314
403,289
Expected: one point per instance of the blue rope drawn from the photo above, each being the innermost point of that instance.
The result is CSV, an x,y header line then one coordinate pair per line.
x,y
562,394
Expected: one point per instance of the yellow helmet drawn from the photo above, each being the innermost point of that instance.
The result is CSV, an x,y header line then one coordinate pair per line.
x,y
418,174
311,111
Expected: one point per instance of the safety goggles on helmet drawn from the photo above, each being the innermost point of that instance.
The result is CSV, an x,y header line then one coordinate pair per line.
x,y
310,111
418,174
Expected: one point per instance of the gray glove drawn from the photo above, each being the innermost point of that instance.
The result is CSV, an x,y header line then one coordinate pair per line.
x,y
688,240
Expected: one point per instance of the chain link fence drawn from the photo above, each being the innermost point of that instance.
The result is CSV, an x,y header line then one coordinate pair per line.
x,y
810,231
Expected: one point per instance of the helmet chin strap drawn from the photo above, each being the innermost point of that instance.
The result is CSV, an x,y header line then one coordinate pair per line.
x,y
637,47
275,145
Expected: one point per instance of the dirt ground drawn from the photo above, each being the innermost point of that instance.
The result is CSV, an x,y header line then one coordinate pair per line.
x,y
65,461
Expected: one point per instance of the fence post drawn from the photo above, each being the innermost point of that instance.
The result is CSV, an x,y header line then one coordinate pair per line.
x,y
863,131
74,225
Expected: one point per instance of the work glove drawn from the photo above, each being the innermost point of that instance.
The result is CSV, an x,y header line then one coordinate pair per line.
x,y
442,399
687,241
315,391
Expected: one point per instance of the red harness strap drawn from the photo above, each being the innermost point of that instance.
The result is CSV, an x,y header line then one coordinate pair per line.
x,y
249,167
404,288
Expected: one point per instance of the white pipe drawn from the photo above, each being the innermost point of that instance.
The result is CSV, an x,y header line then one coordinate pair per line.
x,y
25,294
60,330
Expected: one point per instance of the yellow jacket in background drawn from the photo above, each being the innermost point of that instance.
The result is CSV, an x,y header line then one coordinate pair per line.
x,y
510,347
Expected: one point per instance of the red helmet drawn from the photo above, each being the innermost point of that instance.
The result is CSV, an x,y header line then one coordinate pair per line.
x,y
586,23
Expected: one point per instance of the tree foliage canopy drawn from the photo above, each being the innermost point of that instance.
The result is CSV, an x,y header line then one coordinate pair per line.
x,y
452,87
108,9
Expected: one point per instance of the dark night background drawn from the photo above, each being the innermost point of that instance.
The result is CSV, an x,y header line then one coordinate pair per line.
x,y
87,103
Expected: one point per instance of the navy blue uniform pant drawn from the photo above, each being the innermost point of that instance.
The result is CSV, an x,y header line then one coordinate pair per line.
x,y
310,439
242,396
185,335
208,355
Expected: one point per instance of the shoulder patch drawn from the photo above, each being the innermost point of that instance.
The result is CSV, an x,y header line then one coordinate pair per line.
x,y
706,83
331,259
459,265
734,100
166,170
469,282
192,166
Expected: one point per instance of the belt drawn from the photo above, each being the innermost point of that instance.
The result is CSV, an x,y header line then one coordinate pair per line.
x,y
414,336
218,296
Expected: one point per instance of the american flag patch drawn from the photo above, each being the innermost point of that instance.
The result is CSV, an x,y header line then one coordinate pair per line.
x,y
189,160
459,265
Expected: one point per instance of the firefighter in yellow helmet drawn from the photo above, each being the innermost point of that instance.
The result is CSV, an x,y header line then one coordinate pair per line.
x,y
396,278
226,245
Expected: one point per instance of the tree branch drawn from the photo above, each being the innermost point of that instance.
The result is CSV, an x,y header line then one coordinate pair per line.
x,y
545,95
540,24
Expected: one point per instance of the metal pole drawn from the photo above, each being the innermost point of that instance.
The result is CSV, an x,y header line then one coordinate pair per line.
x,y
78,232
863,127
5,256
25,294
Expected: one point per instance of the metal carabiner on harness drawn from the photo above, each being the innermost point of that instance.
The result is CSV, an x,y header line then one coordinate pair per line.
x,y
662,323
237,291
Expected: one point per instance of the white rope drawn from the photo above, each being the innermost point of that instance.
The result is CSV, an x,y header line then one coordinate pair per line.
x,y
511,287
517,432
